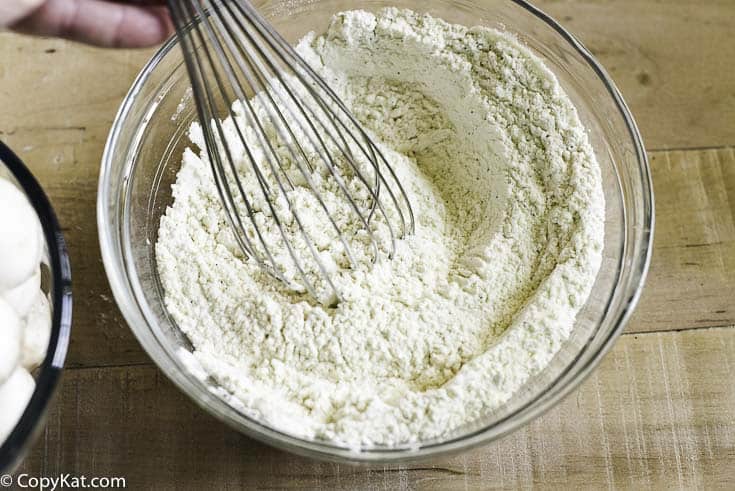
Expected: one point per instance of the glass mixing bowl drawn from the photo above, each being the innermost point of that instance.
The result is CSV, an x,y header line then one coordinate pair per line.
x,y
143,155
56,283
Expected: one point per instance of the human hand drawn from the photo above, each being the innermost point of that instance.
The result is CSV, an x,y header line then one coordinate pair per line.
x,y
132,24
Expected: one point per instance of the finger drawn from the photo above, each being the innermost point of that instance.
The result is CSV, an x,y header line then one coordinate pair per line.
x,y
141,2
11,11
100,23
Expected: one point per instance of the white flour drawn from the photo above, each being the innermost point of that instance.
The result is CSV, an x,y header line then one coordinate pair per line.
x,y
509,207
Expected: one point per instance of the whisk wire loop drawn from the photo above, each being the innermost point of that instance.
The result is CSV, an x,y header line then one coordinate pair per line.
x,y
205,105
302,158
224,62
282,44
277,108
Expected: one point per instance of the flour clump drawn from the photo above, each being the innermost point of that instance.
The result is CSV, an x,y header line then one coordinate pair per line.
x,y
508,241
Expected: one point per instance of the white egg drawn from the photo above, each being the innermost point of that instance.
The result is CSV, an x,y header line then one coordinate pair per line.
x,y
20,242
14,396
10,340
37,332
21,297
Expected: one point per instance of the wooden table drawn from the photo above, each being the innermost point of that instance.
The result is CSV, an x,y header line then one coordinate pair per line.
x,y
660,410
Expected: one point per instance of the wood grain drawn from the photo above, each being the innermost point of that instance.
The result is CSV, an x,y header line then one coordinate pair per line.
x,y
655,414
58,108
659,413
669,59
57,111
690,284
692,278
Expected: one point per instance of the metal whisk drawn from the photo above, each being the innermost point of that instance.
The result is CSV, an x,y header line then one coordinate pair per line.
x,y
289,131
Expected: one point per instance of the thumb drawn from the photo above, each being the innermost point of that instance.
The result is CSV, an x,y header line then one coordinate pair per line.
x,y
11,11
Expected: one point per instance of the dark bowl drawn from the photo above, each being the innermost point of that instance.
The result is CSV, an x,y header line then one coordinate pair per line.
x,y
57,285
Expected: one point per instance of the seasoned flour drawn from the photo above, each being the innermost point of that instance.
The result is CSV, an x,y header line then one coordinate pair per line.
x,y
509,232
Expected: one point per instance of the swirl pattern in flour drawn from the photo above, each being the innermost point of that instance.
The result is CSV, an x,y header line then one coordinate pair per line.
x,y
508,242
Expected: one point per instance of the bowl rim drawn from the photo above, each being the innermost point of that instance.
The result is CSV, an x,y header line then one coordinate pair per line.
x,y
543,401
49,372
